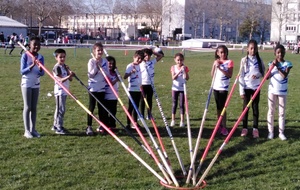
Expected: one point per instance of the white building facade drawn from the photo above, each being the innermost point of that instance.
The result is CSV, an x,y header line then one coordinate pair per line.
x,y
285,24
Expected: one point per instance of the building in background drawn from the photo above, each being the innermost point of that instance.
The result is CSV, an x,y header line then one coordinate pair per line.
x,y
9,26
285,23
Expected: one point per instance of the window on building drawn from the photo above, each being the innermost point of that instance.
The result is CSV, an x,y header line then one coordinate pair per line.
x,y
291,28
292,6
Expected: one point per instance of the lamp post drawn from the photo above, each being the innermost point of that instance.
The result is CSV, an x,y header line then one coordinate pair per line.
x,y
203,27
280,20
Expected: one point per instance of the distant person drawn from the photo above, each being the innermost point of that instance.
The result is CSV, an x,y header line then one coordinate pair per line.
x,y
26,43
298,47
179,73
62,73
277,92
222,70
30,85
251,70
11,43
2,37
133,74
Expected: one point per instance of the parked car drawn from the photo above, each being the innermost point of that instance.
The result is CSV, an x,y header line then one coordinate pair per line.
x,y
143,39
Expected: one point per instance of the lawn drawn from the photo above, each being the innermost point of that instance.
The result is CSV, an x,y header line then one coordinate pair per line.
x,y
77,161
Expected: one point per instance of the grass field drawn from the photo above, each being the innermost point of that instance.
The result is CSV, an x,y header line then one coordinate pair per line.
x,y
77,161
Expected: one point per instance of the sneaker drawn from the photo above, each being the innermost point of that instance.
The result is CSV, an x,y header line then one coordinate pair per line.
x,y
255,133
282,136
270,135
35,134
181,124
244,132
172,124
60,131
100,129
223,131
53,128
28,135
128,127
89,130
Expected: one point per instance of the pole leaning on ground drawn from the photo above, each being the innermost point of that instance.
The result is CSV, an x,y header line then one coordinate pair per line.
x,y
90,113
116,119
188,121
234,127
167,126
155,126
200,133
148,131
218,122
160,166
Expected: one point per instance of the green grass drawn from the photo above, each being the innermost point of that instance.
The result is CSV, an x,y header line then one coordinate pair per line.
x,y
76,161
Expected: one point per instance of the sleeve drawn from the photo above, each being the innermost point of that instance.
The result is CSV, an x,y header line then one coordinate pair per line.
x,y
92,69
57,71
187,69
230,64
172,69
24,68
128,68
241,77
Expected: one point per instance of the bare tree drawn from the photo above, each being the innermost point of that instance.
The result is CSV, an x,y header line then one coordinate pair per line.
x,y
195,14
93,8
7,7
153,10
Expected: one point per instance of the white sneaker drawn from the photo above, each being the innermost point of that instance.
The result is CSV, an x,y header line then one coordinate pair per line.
x,y
28,135
282,136
270,135
181,124
35,134
172,123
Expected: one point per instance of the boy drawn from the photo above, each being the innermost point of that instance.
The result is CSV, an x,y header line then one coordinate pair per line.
x,y
133,73
62,73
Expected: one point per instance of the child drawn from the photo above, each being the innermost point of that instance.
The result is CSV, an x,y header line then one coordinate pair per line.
x,y
62,73
11,43
180,73
30,86
96,83
26,43
133,73
277,91
110,98
222,71
251,70
147,71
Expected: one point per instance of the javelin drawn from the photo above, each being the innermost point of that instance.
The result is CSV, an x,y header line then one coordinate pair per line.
x,y
188,122
116,119
200,133
139,132
219,121
155,127
148,131
235,126
91,114
166,124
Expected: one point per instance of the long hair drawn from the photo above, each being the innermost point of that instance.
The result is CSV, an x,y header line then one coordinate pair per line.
x,y
225,51
260,67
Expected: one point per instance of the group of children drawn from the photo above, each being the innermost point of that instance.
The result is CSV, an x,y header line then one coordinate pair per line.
x,y
140,75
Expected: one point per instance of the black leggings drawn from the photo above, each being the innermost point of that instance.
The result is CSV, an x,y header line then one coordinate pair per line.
x,y
175,96
92,104
248,94
148,92
136,96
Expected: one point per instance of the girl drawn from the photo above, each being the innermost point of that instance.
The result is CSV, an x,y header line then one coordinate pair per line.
x,y
110,98
251,70
133,73
277,91
96,83
180,73
147,71
30,86
222,71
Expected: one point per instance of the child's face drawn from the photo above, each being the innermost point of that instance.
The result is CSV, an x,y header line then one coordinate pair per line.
x,y
61,58
179,60
137,60
222,54
279,54
111,65
35,46
98,52
252,50
147,57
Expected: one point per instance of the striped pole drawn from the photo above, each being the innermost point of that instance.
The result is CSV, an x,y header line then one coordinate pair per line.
x,y
148,131
200,133
91,114
139,132
234,127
